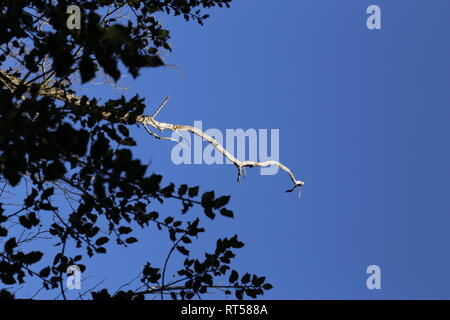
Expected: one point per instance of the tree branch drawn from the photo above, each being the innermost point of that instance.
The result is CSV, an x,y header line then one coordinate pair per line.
x,y
11,81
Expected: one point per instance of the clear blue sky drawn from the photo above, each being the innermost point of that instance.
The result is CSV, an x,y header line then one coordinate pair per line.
x,y
364,121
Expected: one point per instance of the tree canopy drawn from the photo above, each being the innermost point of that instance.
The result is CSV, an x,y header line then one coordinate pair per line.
x,y
52,142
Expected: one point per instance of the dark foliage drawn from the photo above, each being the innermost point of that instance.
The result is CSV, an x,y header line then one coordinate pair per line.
x,y
72,148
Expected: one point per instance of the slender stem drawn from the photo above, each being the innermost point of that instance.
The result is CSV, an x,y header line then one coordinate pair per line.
x,y
167,260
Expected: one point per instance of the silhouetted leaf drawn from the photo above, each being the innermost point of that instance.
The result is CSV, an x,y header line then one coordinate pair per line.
x,y
234,276
246,278
28,221
183,250
182,190
3,232
125,230
193,192
101,241
10,245
267,286
45,272
221,201
131,240
226,213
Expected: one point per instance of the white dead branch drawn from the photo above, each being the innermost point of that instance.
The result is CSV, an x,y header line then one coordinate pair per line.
x,y
145,120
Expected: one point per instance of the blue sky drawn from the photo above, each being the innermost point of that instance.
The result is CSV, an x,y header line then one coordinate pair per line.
x,y
363,118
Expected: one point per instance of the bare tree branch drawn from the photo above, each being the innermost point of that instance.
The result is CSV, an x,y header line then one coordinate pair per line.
x,y
12,82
